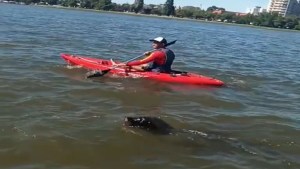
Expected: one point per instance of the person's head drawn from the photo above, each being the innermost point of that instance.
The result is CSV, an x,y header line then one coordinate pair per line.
x,y
158,42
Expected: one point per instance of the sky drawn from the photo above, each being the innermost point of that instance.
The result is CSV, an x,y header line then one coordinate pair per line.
x,y
229,5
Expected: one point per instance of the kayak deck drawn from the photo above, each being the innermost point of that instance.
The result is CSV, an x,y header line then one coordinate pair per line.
x,y
174,77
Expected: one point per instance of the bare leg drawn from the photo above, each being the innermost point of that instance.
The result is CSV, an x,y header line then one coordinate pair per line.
x,y
140,68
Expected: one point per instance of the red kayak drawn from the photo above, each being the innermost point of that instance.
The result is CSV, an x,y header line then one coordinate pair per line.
x,y
174,77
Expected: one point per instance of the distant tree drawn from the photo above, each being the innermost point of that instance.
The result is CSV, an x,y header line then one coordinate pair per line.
x,y
126,7
169,8
179,12
104,5
263,19
187,13
212,8
86,4
72,3
138,5
52,2
27,2
227,16
200,14
116,7
279,22
243,19
147,9
35,1
291,22
266,19
158,10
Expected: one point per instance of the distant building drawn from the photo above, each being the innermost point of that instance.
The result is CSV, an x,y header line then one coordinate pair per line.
x,y
285,7
255,11
218,11
263,10
240,14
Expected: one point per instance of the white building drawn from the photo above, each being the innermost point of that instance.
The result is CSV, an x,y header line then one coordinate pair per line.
x,y
285,7
255,11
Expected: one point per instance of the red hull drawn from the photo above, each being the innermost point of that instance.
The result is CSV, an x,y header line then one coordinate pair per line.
x,y
100,64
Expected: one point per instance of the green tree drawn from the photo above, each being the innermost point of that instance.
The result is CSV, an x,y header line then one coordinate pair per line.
x,y
126,7
138,5
147,9
210,16
212,8
72,3
199,14
52,2
27,2
104,5
157,10
291,22
279,22
227,16
69,3
169,8
187,13
267,19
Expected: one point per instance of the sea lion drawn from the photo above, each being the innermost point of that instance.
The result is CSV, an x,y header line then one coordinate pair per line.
x,y
152,124
156,125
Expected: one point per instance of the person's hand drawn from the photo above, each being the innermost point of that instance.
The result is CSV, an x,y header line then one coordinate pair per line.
x,y
147,53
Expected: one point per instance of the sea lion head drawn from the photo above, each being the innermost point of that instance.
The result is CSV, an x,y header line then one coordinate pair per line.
x,y
152,124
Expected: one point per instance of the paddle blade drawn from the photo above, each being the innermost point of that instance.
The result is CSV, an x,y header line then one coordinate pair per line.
x,y
95,73
171,43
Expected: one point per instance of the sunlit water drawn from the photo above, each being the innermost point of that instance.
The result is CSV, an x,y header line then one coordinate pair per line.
x,y
52,117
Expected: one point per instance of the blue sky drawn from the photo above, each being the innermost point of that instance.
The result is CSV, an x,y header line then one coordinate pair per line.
x,y
230,5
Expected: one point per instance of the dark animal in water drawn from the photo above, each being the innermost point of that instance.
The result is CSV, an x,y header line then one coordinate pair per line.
x,y
158,126
152,124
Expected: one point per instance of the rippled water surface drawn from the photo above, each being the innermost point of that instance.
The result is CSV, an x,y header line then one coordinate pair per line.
x,y
52,117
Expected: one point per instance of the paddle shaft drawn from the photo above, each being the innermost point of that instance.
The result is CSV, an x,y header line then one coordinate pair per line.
x,y
131,59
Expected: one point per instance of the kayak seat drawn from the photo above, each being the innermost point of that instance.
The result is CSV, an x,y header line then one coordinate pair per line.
x,y
104,62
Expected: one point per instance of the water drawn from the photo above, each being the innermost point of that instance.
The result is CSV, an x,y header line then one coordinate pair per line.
x,y
52,117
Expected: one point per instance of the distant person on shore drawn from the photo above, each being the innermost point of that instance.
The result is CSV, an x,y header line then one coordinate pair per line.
x,y
158,60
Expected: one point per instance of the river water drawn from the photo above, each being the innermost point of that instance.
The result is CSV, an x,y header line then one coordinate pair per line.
x,y
52,117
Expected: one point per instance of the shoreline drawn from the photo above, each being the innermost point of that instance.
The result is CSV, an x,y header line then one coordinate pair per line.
x,y
166,17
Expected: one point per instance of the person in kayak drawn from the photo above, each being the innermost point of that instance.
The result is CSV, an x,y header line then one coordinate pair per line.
x,y
158,60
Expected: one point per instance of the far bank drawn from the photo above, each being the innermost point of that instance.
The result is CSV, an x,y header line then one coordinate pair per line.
x,y
167,17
